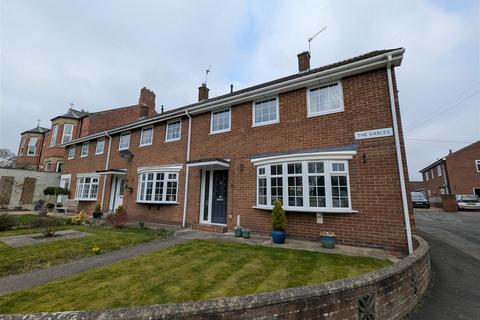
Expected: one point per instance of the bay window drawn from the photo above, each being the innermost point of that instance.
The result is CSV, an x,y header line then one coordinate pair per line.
x,y
305,185
67,132
87,188
53,138
157,187
31,148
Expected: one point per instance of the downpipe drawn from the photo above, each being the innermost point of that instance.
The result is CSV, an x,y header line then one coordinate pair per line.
x,y
185,196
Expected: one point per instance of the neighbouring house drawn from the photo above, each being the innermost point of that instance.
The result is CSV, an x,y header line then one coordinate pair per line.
x,y
456,173
417,186
327,142
40,148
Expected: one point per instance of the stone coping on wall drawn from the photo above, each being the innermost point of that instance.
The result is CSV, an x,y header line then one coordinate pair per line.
x,y
291,303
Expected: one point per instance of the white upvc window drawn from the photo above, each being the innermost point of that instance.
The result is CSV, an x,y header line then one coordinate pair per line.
x,y
53,138
124,142
174,131
265,112
87,188
477,164
305,185
71,152
58,166
100,147
32,146
146,136
67,132
426,176
439,170
85,149
325,99
220,121
157,187
48,166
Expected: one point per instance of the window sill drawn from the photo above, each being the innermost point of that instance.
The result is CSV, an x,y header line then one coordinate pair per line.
x,y
219,132
321,210
172,140
317,114
144,145
261,124
156,202
85,199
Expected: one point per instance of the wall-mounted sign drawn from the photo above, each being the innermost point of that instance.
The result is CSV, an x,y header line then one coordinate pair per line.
x,y
375,133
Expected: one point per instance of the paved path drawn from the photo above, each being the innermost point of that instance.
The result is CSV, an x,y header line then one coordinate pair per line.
x,y
454,240
33,278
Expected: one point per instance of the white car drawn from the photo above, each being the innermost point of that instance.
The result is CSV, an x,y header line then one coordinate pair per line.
x,y
468,202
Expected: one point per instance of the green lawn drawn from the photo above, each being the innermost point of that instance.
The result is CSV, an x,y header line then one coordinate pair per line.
x,y
43,255
195,270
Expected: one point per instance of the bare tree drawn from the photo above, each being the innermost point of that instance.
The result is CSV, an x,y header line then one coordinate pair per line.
x,y
7,158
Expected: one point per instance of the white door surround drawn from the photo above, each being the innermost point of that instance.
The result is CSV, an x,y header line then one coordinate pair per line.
x,y
116,192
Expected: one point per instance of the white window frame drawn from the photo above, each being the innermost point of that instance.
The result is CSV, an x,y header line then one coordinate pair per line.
x,y
328,173
71,152
426,176
167,171
169,123
67,137
59,163
48,166
142,136
439,170
93,180
477,164
229,121
83,148
264,123
321,113
103,146
30,145
53,136
125,133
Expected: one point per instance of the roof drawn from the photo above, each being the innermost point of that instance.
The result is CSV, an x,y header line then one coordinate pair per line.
x,y
436,163
72,114
37,129
252,89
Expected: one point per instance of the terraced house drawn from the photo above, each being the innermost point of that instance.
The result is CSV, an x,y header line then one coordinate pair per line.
x,y
327,142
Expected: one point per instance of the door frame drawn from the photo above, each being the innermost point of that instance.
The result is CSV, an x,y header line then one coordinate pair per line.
x,y
204,175
114,190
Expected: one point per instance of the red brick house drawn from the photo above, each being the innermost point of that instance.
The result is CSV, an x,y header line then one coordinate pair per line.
x,y
327,142
40,147
456,173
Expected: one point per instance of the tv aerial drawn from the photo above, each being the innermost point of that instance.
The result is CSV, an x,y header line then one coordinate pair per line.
x,y
313,37
206,73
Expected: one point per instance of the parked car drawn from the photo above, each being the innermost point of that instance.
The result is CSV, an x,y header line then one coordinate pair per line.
x,y
468,202
419,200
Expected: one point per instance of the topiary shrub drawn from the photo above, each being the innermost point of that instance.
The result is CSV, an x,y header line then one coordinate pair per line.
x,y
279,220
7,222
97,213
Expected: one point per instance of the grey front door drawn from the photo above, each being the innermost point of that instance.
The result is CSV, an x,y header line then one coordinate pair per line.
x,y
219,196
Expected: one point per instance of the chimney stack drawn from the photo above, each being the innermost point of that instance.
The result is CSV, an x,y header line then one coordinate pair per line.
x,y
203,92
147,98
303,61
143,113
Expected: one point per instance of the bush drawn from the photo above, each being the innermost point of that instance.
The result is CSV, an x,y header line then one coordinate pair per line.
x,y
118,219
80,218
141,224
7,222
50,225
279,220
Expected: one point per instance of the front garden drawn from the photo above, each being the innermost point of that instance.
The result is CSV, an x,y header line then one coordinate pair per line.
x,y
195,270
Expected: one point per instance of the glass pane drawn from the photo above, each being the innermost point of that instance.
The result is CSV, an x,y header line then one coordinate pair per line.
x,y
207,192
315,167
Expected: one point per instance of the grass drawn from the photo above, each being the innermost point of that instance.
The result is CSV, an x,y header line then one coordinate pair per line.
x,y
195,270
43,255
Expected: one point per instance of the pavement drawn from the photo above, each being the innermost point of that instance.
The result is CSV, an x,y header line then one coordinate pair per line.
x,y
454,240
37,277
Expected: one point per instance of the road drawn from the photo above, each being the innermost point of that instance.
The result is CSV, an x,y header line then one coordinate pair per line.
x,y
454,240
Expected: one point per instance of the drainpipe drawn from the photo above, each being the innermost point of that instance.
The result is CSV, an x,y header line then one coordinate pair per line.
x,y
107,164
406,216
185,196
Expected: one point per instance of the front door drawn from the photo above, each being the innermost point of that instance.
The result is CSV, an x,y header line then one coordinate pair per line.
x,y
118,185
219,196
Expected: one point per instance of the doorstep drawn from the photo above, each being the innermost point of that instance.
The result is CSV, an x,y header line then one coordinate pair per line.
x,y
210,228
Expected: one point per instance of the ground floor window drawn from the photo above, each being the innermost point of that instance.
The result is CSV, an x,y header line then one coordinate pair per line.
x,y
157,187
304,185
87,188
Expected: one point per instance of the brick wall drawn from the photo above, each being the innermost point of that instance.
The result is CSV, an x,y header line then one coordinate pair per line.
x,y
462,171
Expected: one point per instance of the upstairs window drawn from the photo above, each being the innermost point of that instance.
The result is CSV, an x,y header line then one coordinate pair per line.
x,y
439,170
124,142
67,132
71,152
146,136
53,138
324,100
100,146
477,163
87,188
84,150
58,167
32,146
174,129
220,121
157,187
265,112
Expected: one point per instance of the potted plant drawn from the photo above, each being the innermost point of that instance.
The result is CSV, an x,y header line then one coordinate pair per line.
x,y
328,239
237,231
97,214
246,233
279,223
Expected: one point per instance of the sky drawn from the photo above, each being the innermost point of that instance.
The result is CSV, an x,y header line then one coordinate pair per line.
x,y
98,54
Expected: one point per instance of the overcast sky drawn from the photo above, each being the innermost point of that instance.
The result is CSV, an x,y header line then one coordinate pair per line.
x,y
98,54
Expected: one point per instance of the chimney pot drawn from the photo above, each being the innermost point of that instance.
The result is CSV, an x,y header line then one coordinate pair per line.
x,y
203,92
231,88
303,61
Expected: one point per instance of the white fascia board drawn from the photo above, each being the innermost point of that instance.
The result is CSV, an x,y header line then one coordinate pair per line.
x,y
84,139
328,155
208,163
161,168
87,175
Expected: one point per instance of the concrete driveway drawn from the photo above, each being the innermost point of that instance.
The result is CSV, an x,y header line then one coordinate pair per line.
x,y
454,240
